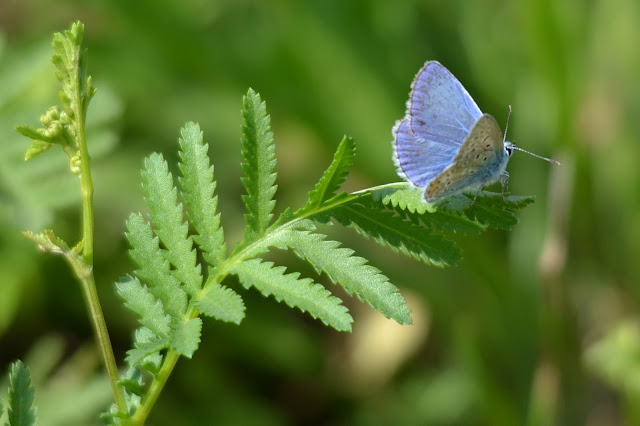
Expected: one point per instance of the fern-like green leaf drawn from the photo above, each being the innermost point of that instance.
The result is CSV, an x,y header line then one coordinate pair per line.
x,y
139,299
154,268
167,216
488,208
133,382
139,354
222,303
386,228
351,272
333,177
71,70
21,411
186,336
148,345
258,166
48,241
295,292
198,188
406,200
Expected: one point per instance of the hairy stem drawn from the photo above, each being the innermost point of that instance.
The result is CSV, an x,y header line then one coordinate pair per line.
x,y
86,275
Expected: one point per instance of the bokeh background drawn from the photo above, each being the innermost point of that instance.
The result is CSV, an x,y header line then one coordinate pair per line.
x,y
538,326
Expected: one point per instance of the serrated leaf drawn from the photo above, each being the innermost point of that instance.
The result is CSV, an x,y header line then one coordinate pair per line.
x,y
407,201
36,148
154,268
295,292
137,355
222,303
333,177
152,361
351,272
387,229
48,241
71,69
198,188
515,202
167,216
21,411
494,210
186,336
132,381
139,299
258,166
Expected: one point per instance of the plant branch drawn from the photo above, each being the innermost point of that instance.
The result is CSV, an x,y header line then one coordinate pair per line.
x,y
156,387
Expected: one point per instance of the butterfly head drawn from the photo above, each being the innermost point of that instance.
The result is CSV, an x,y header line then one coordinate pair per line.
x,y
509,148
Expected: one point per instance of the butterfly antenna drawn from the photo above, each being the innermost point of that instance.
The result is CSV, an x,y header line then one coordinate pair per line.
x,y
538,156
507,126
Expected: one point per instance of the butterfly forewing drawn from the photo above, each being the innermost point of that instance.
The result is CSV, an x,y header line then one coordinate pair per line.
x,y
440,109
440,115
479,162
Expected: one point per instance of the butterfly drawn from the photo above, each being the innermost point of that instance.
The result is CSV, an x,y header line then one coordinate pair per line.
x,y
445,144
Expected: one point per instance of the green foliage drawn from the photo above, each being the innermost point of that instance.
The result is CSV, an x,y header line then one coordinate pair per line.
x,y
181,251
178,287
21,411
258,153
65,127
333,177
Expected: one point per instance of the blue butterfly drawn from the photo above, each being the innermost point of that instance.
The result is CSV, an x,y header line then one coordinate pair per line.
x,y
445,144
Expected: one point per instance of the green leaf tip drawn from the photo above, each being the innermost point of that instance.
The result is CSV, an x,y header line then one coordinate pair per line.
x,y
64,126
333,177
391,230
223,304
351,272
139,299
186,336
71,70
198,192
258,166
21,395
48,241
168,217
302,293
464,213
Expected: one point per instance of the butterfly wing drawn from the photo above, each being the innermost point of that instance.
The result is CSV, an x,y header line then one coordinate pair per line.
x,y
440,115
417,160
480,161
441,109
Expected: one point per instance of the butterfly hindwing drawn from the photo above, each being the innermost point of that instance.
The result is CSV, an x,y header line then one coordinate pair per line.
x,y
417,160
480,161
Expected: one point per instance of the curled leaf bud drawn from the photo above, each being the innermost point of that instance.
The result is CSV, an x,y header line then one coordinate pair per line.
x,y
64,118
50,115
75,164
53,130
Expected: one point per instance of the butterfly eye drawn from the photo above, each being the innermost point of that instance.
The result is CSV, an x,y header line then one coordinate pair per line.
x,y
509,149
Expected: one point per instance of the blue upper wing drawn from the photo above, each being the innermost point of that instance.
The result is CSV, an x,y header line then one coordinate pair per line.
x,y
440,115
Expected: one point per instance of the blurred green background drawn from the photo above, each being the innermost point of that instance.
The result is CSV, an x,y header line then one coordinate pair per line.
x,y
538,326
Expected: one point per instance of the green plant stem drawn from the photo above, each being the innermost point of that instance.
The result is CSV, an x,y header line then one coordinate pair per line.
x,y
86,276
156,387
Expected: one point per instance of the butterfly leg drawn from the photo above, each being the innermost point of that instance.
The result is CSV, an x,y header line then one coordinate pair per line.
x,y
504,181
